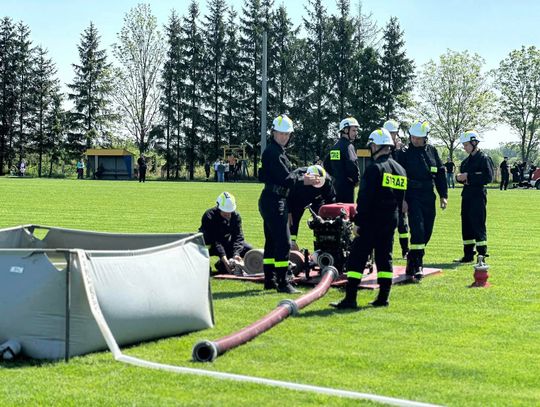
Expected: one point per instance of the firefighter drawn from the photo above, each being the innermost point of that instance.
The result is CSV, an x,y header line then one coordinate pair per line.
x,y
424,168
278,178
301,196
403,227
221,227
474,173
380,198
341,161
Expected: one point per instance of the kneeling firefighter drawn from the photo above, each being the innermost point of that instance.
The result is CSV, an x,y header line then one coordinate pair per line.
x,y
380,198
475,172
278,178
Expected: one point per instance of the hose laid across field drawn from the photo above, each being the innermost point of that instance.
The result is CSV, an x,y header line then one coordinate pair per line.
x,y
207,351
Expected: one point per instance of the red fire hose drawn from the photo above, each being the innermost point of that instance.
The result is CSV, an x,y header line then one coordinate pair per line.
x,y
207,351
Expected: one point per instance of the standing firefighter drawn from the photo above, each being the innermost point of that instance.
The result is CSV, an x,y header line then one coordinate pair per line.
x,y
380,197
474,173
403,227
278,180
341,161
424,167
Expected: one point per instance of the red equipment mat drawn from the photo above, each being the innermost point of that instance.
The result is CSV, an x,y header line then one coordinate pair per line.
x,y
369,282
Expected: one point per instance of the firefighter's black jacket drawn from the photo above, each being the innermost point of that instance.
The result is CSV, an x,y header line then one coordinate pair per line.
x,y
341,162
276,168
303,195
221,233
479,172
423,167
382,190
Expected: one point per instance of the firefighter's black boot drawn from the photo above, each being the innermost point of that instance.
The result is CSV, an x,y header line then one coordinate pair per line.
x,y
404,243
384,293
419,269
410,270
468,254
283,283
482,250
269,277
349,302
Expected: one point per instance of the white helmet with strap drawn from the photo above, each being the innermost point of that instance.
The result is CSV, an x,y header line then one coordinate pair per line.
x,y
226,202
380,137
468,136
419,129
283,124
391,125
320,171
348,122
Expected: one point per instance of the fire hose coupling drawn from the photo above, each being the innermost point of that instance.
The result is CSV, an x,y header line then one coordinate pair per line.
x,y
10,349
291,305
330,269
205,351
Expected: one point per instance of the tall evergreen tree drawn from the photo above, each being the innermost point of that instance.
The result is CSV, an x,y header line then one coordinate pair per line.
x,y
54,130
342,51
314,75
24,59
215,56
251,27
171,96
8,96
397,71
234,90
194,71
90,92
46,88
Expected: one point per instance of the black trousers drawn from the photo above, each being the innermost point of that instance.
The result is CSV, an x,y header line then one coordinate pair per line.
x,y
142,174
504,181
344,190
421,204
376,235
473,218
275,214
229,249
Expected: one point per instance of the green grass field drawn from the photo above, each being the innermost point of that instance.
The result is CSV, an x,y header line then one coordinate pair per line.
x,y
439,342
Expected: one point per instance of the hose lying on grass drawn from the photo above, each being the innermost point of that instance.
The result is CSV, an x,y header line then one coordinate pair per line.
x,y
207,351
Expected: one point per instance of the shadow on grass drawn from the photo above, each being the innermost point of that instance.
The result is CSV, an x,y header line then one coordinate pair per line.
x,y
234,294
330,311
23,362
444,266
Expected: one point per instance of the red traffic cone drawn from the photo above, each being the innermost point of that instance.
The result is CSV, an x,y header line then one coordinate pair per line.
x,y
480,274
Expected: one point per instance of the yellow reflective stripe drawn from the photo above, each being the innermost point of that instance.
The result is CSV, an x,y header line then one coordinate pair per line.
x,y
335,154
354,274
417,246
208,246
284,263
293,237
433,169
403,235
472,241
394,181
268,261
385,274
482,243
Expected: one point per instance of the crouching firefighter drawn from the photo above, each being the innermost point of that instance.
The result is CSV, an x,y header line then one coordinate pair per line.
x,y
278,178
380,198
475,172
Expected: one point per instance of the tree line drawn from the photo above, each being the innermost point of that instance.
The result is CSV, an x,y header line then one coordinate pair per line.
x,y
185,89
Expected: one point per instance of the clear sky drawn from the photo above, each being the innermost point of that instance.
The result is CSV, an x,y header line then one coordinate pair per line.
x,y
489,28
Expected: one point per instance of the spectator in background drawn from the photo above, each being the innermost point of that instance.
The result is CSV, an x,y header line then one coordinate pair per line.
x,y
141,162
532,169
22,168
220,172
80,169
515,175
505,174
207,169
216,164
450,168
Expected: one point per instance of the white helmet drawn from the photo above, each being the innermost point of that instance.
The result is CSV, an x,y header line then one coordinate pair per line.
x,y
226,202
380,137
320,171
419,129
391,125
348,122
283,124
469,135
